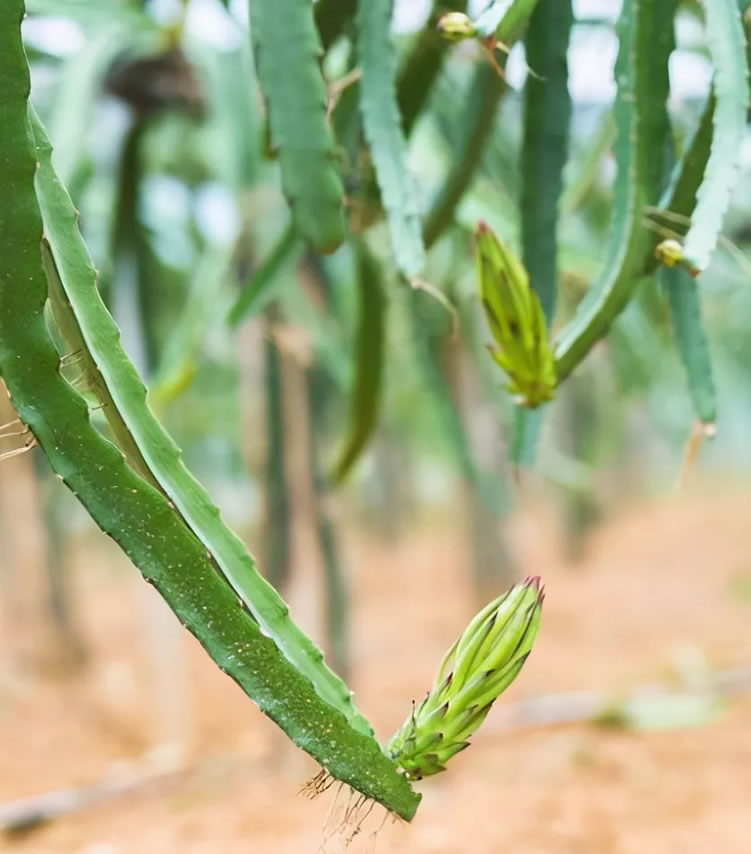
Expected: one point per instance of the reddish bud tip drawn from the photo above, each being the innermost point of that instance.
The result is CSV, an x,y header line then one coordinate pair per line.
x,y
482,227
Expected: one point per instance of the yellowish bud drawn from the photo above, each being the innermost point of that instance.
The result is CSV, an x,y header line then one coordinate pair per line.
x,y
670,253
456,26
516,321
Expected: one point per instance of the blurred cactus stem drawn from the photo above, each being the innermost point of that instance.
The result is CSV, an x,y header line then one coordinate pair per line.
x,y
474,672
456,27
516,321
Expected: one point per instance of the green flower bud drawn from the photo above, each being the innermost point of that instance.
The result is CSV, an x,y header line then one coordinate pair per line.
x,y
482,663
516,321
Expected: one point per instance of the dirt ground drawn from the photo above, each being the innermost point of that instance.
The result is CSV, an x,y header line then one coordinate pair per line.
x,y
664,582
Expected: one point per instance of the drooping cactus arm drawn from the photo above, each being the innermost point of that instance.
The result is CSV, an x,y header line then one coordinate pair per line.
x,y
99,338
125,506
640,115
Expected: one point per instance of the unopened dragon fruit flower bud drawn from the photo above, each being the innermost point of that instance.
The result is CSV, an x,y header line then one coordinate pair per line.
x,y
516,321
456,27
482,663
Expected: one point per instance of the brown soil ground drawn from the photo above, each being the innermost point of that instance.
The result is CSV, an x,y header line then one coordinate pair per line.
x,y
660,581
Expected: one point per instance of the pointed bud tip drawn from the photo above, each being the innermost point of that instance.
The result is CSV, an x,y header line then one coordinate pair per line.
x,y
482,227
535,582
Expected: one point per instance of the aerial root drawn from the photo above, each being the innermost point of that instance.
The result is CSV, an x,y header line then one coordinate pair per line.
x,y
11,434
344,820
6,432
80,380
330,828
317,785
374,835
357,826
30,443
700,431
421,285
353,808
336,88
71,358
490,46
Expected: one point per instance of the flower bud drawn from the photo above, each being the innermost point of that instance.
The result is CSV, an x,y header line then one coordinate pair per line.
x,y
456,27
482,663
670,253
516,321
